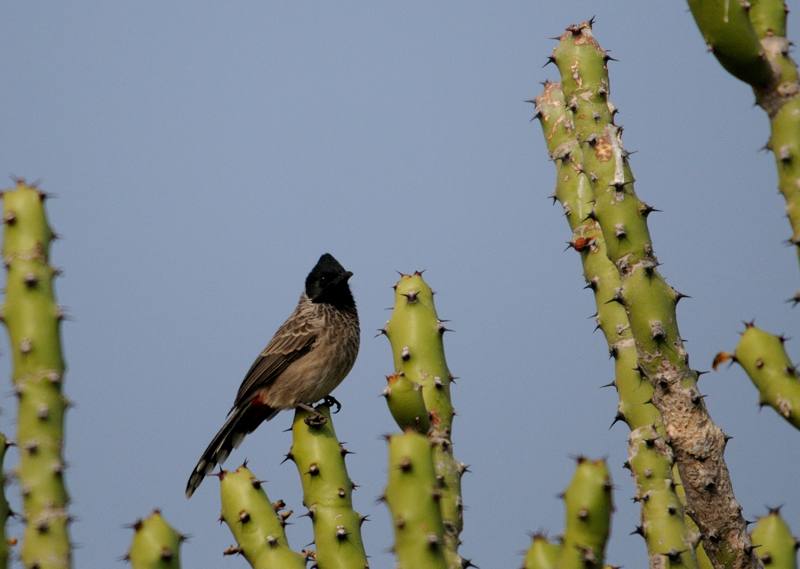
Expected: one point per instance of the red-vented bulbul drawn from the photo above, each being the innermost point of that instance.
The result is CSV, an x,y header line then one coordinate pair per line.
x,y
305,360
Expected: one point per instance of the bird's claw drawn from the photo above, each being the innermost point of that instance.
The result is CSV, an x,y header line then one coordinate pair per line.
x,y
330,402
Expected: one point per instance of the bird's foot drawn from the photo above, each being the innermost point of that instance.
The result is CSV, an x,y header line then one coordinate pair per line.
x,y
330,401
315,419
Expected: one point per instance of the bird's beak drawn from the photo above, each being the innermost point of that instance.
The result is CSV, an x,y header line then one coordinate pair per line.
x,y
343,278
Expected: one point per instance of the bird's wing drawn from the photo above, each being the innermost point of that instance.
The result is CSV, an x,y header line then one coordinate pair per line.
x,y
293,339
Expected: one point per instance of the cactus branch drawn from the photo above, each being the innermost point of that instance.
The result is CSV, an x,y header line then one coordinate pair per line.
x,y
775,545
763,357
33,318
256,524
415,333
749,40
327,492
588,508
574,192
698,444
542,553
413,496
155,544
5,509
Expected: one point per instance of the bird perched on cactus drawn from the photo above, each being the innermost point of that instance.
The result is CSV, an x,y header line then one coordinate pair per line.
x,y
309,355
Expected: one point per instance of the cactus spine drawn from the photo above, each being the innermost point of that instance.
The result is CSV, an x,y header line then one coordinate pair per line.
x,y
763,357
327,492
415,333
155,544
588,508
749,40
542,554
256,524
32,318
574,192
698,444
413,496
775,545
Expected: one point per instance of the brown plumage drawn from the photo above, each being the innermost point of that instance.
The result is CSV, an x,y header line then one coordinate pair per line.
x,y
305,360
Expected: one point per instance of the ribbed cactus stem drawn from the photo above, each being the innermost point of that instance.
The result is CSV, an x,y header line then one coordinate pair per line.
x,y
413,495
256,524
33,318
588,522
5,509
775,545
404,398
542,553
698,444
327,492
669,542
763,357
749,40
575,193
415,333
155,544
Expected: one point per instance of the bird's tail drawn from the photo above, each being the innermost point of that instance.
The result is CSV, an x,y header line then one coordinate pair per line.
x,y
241,421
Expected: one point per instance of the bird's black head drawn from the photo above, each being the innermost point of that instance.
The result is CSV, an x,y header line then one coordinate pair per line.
x,y
327,282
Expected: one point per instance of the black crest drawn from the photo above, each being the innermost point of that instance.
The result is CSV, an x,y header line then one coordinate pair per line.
x,y
327,282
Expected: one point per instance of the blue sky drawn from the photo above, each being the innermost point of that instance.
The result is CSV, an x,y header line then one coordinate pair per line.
x,y
204,154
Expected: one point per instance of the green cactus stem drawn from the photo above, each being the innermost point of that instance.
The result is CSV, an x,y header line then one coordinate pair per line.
x,y
33,318
327,492
542,553
574,192
763,357
749,40
775,545
697,443
413,495
5,509
588,509
256,524
404,398
669,542
155,544
415,333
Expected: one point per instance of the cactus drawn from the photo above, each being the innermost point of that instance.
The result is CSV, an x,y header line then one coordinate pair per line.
x,y
763,357
542,553
256,524
749,40
574,192
404,398
5,509
774,543
698,444
413,496
588,511
155,544
327,492
415,333
32,318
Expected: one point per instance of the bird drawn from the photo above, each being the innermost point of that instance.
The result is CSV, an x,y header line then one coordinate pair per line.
x,y
306,359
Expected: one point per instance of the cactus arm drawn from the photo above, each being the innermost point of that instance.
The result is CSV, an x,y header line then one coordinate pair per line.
x,y
542,554
327,492
775,545
412,495
404,398
749,39
255,523
32,318
588,509
155,544
415,333
698,444
573,191
763,357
